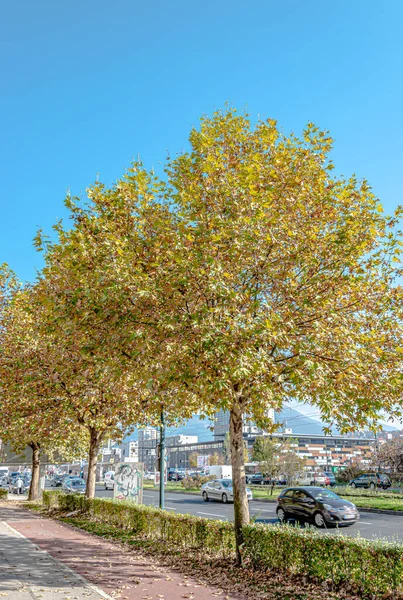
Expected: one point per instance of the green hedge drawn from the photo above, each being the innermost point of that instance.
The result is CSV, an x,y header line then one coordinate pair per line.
x,y
184,531
370,567
3,493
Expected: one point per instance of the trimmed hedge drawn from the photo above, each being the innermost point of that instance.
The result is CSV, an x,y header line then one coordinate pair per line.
x,y
3,493
367,566
181,531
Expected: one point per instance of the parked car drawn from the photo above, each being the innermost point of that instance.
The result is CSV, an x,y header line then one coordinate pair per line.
x,y
257,479
175,475
109,480
318,505
220,489
74,485
314,478
371,481
148,476
56,481
330,476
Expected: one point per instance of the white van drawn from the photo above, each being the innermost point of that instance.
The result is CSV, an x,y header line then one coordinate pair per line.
x,y
109,480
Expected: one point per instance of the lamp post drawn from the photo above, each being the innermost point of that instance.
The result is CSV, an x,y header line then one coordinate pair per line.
x,y
162,460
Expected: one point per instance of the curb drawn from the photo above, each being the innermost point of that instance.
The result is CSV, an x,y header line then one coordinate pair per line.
x,y
381,511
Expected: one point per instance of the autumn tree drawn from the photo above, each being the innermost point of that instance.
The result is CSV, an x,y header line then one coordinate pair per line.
x,y
265,452
193,460
101,289
283,283
291,465
216,458
31,413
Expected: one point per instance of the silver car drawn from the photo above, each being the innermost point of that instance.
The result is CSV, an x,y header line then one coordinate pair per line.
x,y
74,486
220,489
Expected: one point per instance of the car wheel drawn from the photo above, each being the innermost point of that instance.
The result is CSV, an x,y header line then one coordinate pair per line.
x,y
319,520
106,487
372,485
224,498
353,485
281,515
312,483
205,497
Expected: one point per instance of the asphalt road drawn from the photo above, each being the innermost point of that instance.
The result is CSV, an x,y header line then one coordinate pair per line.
x,y
371,525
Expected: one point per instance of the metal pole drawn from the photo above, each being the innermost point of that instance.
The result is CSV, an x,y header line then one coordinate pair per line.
x,y
162,460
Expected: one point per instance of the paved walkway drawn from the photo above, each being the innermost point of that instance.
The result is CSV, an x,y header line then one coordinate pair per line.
x,y
28,572
44,559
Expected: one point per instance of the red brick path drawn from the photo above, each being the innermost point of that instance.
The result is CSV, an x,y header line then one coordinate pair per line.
x,y
120,572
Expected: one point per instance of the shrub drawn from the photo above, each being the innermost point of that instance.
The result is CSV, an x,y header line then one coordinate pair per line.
x,y
50,499
180,531
370,566
195,482
3,493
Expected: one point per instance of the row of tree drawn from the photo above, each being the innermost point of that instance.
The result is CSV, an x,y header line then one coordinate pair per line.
x,y
247,275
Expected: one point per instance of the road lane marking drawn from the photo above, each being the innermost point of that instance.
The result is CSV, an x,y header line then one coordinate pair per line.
x,y
169,508
264,510
211,514
364,523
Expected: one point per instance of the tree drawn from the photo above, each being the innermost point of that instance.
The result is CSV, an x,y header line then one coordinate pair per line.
x,y
216,459
389,456
283,283
30,414
290,464
193,460
100,291
265,451
277,458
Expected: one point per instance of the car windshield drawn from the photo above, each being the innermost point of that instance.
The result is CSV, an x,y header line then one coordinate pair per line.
x,y
226,483
324,495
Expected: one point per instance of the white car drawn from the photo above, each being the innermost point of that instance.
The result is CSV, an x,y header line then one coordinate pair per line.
x,y
221,489
109,480
313,478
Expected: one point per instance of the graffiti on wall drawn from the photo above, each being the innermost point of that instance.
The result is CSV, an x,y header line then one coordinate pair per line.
x,y
129,482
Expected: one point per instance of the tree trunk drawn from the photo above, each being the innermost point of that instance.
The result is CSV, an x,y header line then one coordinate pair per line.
x,y
95,440
241,507
34,487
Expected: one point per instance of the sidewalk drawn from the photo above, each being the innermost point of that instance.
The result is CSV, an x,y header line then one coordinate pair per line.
x,y
27,572
45,559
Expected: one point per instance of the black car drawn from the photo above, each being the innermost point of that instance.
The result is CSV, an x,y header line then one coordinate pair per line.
x,y
175,475
317,505
371,481
57,481
257,479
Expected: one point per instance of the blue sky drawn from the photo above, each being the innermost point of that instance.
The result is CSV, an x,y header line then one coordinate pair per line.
x,y
86,86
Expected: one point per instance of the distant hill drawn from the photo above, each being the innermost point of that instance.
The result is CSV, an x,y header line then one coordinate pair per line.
x,y
300,423
291,418
194,426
